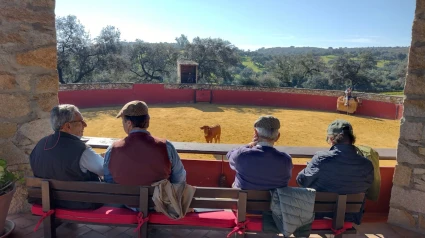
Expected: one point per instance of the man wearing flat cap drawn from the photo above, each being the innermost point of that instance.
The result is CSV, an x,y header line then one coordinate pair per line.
x,y
140,158
342,169
258,165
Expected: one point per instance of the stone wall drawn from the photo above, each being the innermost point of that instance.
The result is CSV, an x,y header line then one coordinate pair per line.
x,y
28,81
333,93
408,193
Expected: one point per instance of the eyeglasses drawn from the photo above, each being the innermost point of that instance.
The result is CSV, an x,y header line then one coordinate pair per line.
x,y
82,121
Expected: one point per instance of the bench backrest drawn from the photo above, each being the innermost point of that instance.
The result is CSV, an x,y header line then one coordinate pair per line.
x,y
133,196
205,197
325,202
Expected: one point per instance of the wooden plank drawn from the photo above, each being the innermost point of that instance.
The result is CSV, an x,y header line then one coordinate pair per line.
x,y
33,182
333,197
48,222
320,196
241,212
352,198
326,197
222,149
258,195
143,207
100,187
207,192
95,187
242,201
318,207
339,213
214,204
129,200
257,206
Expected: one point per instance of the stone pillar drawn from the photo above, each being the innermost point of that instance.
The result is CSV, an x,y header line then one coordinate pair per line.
x,y
407,205
28,82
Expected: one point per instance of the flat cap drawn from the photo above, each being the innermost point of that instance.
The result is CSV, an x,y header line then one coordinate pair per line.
x,y
134,108
337,126
267,122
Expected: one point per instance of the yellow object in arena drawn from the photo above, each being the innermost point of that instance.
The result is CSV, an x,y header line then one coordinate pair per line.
x,y
351,107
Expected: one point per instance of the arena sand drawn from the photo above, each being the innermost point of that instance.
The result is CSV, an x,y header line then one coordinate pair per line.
x,y
182,122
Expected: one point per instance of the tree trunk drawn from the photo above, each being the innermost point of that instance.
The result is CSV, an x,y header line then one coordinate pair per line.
x,y
60,76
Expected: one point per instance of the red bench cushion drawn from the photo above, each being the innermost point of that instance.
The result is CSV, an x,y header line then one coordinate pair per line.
x,y
105,215
221,219
326,224
256,224
113,215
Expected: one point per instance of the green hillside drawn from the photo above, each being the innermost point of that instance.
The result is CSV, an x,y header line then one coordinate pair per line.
x,y
247,62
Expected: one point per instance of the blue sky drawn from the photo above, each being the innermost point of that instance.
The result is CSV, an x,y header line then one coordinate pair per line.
x,y
252,24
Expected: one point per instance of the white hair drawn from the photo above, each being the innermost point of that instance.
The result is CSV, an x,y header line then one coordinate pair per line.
x,y
267,133
62,114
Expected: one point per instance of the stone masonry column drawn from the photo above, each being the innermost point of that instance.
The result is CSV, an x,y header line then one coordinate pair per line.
x,y
28,82
407,205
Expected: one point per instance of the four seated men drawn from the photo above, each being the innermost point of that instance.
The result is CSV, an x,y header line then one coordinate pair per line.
x,y
142,159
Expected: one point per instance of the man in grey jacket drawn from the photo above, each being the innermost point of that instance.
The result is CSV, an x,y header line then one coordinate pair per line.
x,y
341,169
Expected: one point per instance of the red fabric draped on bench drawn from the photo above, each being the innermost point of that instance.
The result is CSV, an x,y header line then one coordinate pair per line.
x,y
256,224
220,219
113,215
104,215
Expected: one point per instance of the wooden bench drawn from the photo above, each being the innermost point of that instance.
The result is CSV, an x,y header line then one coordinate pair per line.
x,y
233,202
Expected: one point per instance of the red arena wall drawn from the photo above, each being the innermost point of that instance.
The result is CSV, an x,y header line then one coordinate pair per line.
x,y
86,96
207,173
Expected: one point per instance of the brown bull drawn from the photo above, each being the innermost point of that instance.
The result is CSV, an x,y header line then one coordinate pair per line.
x,y
212,132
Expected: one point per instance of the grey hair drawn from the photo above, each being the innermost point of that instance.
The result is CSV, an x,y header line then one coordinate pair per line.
x,y
267,133
62,114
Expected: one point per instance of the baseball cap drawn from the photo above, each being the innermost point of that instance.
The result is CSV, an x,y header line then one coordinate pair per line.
x,y
134,108
337,126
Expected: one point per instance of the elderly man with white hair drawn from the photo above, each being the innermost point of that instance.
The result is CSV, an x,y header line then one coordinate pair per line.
x,y
258,165
63,156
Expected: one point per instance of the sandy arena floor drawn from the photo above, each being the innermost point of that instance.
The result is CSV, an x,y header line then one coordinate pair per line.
x,y
298,127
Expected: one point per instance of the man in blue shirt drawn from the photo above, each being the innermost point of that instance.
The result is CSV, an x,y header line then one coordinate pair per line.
x,y
258,165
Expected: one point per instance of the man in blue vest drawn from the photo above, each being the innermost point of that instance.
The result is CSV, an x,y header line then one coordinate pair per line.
x,y
63,156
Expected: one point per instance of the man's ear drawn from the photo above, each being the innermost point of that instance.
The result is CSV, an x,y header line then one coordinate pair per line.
x,y
278,136
65,127
331,140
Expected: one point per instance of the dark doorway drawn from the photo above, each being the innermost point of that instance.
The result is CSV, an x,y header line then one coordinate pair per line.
x,y
188,73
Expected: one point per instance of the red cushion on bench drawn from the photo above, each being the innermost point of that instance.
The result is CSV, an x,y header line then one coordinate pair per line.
x,y
222,219
111,215
325,224
256,224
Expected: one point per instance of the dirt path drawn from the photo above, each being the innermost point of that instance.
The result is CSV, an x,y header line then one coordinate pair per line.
x,y
298,127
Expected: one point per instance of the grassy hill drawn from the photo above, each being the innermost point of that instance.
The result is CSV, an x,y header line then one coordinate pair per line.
x,y
247,62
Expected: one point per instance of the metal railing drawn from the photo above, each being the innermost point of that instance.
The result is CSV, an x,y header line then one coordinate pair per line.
x,y
222,149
